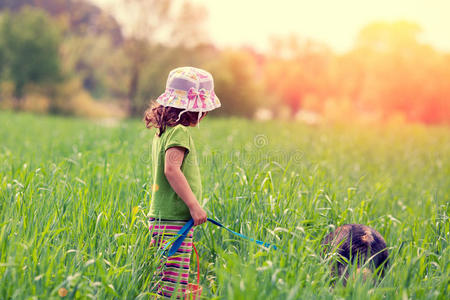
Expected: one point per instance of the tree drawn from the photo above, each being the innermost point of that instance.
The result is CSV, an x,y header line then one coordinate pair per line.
x,y
399,74
29,44
102,67
297,69
152,19
235,79
2,50
78,16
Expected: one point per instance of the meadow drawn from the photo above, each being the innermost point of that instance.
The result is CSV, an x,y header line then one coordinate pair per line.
x,y
74,195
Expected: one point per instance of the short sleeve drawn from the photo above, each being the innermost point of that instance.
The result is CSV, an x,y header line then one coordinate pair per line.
x,y
178,137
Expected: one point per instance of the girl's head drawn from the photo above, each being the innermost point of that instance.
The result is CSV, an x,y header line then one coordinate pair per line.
x,y
160,117
189,95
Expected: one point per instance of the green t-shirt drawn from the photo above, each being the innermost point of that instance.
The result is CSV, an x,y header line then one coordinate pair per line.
x,y
165,203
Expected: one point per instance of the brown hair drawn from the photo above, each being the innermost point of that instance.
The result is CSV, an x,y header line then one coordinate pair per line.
x,y
160,117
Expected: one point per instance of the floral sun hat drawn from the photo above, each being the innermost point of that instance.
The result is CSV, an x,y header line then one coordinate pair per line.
x,y
190,89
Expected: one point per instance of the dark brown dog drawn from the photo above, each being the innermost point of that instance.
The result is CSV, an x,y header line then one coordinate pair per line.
x,y
357,243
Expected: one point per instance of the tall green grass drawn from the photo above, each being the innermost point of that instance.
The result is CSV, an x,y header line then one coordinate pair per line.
x,y
74,195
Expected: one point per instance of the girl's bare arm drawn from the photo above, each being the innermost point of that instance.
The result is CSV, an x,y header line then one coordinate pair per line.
x,y
172,170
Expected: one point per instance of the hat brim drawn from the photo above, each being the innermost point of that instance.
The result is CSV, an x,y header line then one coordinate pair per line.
x,y
169,99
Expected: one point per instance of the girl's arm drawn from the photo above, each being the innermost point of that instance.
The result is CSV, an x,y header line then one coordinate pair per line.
x,y
172,170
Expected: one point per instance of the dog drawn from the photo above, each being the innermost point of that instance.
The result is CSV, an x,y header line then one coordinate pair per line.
x,y
357,243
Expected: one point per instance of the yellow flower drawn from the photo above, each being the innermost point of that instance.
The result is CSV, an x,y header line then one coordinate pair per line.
x,y
135,210
62,292
155,187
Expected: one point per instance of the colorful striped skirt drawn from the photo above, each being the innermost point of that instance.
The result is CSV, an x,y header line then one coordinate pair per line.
x,y
174,273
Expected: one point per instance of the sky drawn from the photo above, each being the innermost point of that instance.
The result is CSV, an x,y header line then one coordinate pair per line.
x,y
333,22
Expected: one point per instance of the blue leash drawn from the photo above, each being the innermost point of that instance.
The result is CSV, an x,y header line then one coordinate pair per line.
x,y
189,224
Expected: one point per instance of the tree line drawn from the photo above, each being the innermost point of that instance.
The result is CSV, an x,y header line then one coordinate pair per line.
x,y
70,57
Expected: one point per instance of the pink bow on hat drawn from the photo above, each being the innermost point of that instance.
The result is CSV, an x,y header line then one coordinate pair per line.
x,y
194,95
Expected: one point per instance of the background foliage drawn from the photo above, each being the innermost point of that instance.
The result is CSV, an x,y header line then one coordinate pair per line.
x,y
388,74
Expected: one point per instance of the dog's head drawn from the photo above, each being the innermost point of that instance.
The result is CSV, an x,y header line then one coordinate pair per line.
x,y
359,244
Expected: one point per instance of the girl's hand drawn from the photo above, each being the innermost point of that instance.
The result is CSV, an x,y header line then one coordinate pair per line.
x,y
198,214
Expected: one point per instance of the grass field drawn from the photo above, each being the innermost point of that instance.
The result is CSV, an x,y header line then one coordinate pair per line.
x,y
74,195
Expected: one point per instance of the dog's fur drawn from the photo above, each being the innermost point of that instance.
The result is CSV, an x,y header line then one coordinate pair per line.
x,y
357,243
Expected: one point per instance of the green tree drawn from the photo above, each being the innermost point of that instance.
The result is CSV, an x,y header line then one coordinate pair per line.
x,y
153,18
102,67
236,82
29,44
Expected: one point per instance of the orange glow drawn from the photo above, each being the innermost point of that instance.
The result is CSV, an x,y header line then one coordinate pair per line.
x,y
335,58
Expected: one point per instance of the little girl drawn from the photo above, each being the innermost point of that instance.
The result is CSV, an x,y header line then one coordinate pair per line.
x,y
177,188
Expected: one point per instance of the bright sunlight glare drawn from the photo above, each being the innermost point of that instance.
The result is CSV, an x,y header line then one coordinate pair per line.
x,y
335,23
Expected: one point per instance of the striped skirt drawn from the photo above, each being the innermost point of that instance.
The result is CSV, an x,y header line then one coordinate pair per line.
x,y
174,273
